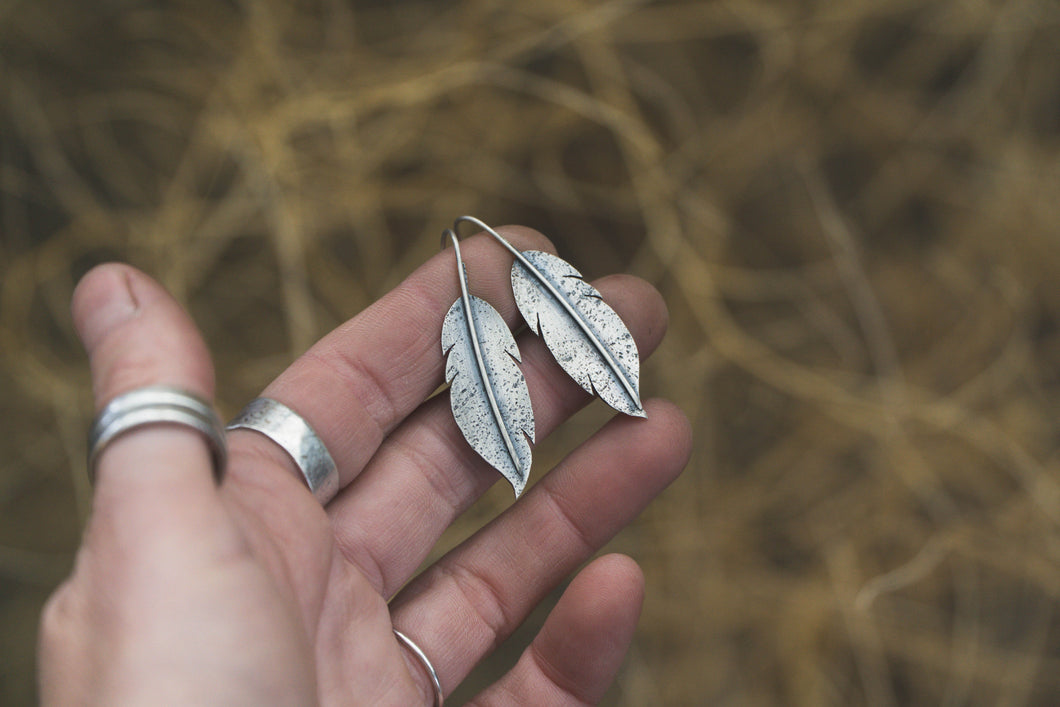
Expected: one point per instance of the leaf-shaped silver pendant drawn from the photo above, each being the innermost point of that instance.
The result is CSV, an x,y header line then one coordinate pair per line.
x,y
588,338
488,392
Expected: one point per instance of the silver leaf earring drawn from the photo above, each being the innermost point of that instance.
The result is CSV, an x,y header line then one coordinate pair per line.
x,y
586,336
488,392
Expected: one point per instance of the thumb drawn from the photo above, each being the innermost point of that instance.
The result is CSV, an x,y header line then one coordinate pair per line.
x,y
137,335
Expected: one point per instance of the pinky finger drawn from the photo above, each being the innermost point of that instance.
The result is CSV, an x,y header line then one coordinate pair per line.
x,y
577,654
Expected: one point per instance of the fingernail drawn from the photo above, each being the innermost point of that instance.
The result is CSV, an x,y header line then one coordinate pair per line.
x,y
103,300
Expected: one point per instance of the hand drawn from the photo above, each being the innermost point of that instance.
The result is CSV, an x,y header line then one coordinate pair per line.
x,y
251,593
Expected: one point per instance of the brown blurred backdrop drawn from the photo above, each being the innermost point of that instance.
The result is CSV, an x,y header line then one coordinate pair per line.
x,y
852,209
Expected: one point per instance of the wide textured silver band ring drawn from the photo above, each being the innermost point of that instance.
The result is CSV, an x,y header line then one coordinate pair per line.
x,y
293,434
439,697
156,405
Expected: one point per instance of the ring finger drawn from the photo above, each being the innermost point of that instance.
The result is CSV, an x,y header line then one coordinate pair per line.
x,y
467,603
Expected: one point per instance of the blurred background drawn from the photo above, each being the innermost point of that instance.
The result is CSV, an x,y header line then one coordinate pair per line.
x,y
852,209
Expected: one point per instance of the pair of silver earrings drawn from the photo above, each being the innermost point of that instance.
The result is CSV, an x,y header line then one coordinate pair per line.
x,y
488,392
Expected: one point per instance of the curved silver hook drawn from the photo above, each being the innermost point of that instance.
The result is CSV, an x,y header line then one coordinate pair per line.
x,y
473,337
461,270
488,229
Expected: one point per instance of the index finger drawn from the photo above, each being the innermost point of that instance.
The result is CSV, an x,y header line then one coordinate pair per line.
x,y
357,383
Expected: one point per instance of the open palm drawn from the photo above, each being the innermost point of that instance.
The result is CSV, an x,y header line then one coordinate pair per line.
x,y
252,593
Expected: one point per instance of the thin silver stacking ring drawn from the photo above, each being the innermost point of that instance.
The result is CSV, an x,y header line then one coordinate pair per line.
x,y
294,435
156,405
439,697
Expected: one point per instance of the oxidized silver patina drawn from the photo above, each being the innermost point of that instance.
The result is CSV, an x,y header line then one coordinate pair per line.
x,y
584,334
488,392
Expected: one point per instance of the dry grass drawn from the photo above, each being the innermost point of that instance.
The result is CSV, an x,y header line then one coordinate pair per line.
x,y
852,209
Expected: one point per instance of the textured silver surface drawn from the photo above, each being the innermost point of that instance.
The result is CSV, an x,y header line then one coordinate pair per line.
x,y
294,435
488,392
586,336
156,405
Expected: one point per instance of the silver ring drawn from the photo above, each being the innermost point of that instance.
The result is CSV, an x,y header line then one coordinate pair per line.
x,y
156,405
293,434
439,697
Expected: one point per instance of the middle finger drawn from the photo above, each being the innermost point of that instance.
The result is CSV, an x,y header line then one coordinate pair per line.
x,y
425,474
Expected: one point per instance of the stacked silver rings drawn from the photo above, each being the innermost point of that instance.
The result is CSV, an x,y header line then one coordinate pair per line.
x,y
156,405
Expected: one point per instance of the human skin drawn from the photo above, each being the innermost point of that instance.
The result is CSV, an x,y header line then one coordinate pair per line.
x,y
251,593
